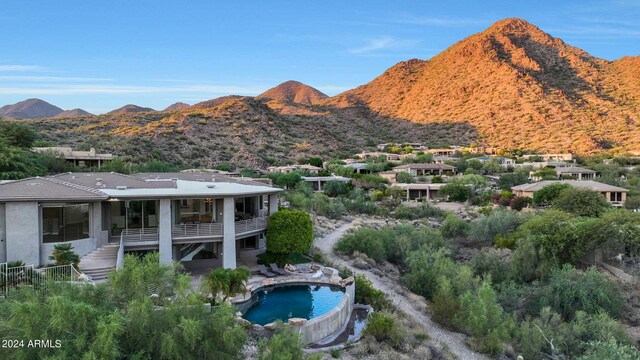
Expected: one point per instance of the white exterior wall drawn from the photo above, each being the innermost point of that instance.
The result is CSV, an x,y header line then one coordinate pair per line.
x,y
164,232
3,235
229,234
80,247
23,232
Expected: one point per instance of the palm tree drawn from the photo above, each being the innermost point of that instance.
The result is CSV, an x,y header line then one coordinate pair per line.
x,y
63,255
226,282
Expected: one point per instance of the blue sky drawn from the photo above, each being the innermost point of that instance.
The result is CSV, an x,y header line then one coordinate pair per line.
x,y
100,55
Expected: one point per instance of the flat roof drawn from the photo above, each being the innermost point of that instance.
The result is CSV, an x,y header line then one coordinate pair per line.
x,y
426,167
325,178
186,188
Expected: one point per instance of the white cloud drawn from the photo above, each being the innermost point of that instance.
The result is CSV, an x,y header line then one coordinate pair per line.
x,y
382,43
11,68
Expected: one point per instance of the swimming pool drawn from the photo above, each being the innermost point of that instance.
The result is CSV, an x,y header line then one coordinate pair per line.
x,y
293,301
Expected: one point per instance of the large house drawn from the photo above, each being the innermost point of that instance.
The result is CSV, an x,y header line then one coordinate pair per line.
x,y
426,169
290,168
183,216
421,192
318,182
615,195
89,158
575,172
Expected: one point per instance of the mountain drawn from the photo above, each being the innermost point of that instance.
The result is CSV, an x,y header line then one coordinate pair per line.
x,y
72,113
130,108
30,109
293,92
176,106
519,87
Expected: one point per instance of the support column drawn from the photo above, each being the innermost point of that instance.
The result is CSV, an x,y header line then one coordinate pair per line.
x,y
23,226
273,203
229,234
164,232
96,224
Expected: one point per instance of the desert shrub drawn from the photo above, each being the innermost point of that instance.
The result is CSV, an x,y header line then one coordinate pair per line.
x,y
487,264
425,210
519,202
425,267
484,319
367,294
525,263
454,227
383,327
569,291
609,349
335,188
498,222
405,178
581,202
283,345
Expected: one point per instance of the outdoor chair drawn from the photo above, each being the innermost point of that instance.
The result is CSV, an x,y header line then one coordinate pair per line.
x,y
277,270
263,270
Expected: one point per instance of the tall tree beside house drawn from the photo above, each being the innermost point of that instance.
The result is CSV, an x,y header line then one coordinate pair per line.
x,y
63,255
581,202
547,195
405,178
289,231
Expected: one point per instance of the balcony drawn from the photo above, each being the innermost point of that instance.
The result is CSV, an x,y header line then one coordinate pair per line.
x,y
251,225
196,231
140,237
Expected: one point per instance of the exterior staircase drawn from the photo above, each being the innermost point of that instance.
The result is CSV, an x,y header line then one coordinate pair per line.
x,y
98,263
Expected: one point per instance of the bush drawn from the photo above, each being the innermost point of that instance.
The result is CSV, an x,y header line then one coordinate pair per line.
x,y
289,231
425,268
382,327
283,345
425,210
609,349
454,227
335,188
547,195
483,317
569,291
581,202
405,178
367,294
507,181
63,255
498,222
489,265
519,202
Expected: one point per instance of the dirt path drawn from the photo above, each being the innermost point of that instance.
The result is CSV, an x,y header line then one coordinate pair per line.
x,y
454,341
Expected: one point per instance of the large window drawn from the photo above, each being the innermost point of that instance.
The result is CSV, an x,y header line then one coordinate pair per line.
x,y
65,223
133,214
195,211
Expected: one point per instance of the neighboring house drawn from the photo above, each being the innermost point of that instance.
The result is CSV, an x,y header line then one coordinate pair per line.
x,y
79,158
615,195
501,160
575,172
359,168
426,169
290,168
420,191
318,182
439,159
415,146
388,156
183,216
550,157
442,152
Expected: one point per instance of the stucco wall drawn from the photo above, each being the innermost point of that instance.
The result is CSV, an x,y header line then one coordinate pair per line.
x,y
3,236
80,247
23,232
319,328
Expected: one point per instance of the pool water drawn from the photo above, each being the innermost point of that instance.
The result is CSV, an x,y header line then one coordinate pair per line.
x,y
293,301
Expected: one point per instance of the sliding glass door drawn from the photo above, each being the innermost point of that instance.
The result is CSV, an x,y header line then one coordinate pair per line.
x,y
133,214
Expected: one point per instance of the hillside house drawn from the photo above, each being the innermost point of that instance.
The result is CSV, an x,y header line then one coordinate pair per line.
x,y
615,195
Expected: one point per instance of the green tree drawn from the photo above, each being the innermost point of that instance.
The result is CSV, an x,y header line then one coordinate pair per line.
x,y
610,349
507,181
581,202
546,195
289,231
456,192
335,188
226,282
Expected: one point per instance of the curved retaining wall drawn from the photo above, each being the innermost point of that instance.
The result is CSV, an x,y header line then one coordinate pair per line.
x,y
326,324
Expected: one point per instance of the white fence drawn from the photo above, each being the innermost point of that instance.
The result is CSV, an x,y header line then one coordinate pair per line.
x,y
245,226
27,275
196,230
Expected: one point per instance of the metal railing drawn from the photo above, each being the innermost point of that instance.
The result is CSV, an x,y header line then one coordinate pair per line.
x,y
120,256
245,226
27,275
196,230
139,235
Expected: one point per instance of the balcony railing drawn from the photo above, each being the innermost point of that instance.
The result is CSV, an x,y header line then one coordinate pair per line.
x,y
255,224
139,235
196,230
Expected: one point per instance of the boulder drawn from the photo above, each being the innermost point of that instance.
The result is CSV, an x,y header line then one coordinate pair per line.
x,y
348,281
297,321
335,279
270,326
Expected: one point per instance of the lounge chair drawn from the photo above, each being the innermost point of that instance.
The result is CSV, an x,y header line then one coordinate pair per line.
x,y
277,270
263,270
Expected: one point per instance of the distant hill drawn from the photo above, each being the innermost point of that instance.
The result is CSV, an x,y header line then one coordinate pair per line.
x,y
30,109
176,106
293,92
214,102
72,113
130,108
519,87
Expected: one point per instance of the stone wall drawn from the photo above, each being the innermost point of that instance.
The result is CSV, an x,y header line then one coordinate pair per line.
x,y
327,324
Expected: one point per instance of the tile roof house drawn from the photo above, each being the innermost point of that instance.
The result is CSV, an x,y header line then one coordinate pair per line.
x,y
426,169
615,195
186,217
